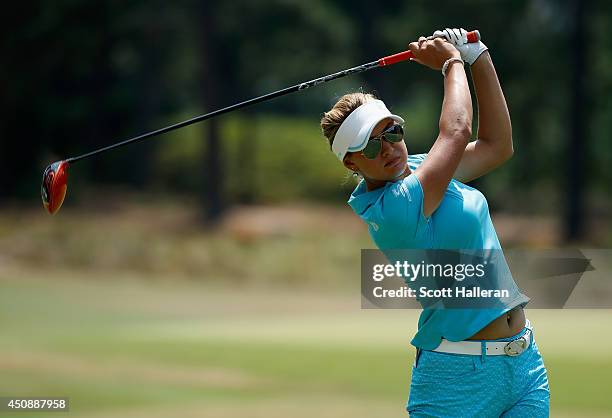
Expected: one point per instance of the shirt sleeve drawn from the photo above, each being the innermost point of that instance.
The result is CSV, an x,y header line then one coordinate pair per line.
x,y
415,160
402,206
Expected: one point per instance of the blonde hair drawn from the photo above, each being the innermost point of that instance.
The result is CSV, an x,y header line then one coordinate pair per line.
x,y
331,121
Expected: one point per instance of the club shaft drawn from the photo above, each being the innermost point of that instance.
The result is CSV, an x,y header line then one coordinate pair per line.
x,y
269,96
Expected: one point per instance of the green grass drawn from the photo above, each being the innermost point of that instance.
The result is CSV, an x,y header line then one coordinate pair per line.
x,y
130,348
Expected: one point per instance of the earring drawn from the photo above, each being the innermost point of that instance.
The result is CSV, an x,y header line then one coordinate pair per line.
x,y
355,174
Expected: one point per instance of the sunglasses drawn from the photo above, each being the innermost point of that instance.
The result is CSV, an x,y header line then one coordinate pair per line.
x,y
393,134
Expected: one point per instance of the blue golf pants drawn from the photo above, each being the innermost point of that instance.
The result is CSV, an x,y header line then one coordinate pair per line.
x,y
461,385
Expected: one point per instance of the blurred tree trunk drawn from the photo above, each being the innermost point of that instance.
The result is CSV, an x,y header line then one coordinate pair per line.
x,y
212,195
526,122
575,185
247,160
148,102
11,157
366,18
21,136
103,121
369,19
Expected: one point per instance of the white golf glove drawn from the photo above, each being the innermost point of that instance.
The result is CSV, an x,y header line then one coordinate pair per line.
x,y
458,37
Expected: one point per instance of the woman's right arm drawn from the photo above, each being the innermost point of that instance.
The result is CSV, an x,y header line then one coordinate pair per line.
x,y
438,169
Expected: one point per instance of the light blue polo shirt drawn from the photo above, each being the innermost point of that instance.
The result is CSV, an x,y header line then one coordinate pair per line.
x,y
395,219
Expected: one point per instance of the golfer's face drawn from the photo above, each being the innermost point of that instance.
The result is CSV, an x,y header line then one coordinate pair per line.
x,y
390,161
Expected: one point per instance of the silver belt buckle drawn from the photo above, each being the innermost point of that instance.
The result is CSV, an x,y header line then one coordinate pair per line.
x,y
516,347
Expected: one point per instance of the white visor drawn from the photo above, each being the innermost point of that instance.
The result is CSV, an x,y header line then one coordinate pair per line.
x,y
356,129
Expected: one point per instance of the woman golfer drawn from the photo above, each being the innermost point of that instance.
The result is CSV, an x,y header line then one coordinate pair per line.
x,y
469,362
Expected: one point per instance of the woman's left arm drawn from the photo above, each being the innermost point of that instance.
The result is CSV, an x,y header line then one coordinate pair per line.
x,y
493,145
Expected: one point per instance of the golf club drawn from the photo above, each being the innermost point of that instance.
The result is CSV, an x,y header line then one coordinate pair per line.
x,y
55,176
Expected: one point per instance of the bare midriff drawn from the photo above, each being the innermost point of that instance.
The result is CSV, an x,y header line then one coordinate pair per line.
x,y
506,325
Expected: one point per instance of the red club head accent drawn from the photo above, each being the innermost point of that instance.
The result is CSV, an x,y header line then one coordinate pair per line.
x,y
53,189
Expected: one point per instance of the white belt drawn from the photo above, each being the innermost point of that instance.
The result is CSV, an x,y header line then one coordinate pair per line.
x,y
493,348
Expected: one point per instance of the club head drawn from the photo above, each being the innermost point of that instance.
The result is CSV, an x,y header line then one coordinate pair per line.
x,y
53,189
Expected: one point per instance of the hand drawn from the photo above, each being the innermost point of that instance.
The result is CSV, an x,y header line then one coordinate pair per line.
x,y
458,37
433,53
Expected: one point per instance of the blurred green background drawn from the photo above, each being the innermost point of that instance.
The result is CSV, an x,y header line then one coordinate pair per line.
x,y
214,272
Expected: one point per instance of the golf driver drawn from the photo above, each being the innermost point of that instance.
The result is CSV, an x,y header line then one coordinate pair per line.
x,y
54,182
